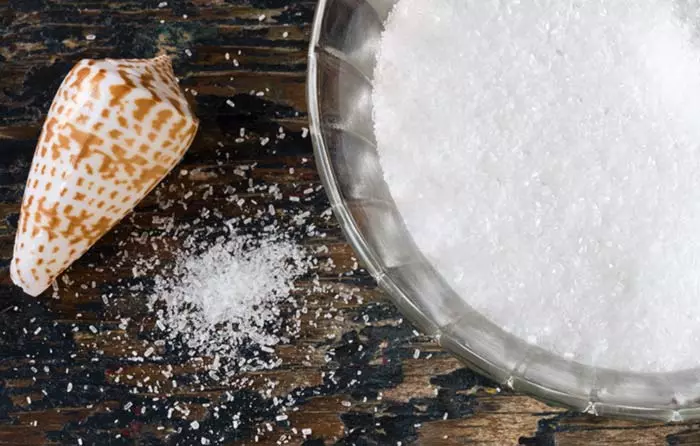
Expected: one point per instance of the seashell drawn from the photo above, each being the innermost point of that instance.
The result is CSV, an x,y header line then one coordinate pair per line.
x,y
114,131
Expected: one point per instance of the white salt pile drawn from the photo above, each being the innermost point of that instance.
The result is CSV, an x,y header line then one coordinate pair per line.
x,y
230,287
229,298
544,156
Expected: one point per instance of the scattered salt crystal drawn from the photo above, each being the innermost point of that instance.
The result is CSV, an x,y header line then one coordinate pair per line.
x,y
230,103
562,181
226,297
90,37
188,52
69,388
194,425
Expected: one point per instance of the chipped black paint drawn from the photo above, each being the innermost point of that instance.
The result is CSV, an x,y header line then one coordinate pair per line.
x,y
39,43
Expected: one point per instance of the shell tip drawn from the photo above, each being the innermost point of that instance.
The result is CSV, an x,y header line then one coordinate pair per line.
x,y
17,280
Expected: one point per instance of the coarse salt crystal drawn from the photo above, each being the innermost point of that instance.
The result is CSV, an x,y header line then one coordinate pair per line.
x,y
561,184
226,297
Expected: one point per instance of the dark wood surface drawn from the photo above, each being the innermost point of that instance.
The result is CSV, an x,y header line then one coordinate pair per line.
x,y
395,400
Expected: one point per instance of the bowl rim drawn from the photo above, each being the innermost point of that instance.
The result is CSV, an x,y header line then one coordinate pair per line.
x,y
582,402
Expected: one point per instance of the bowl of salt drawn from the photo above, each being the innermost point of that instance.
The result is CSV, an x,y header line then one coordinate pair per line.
x,y
522,179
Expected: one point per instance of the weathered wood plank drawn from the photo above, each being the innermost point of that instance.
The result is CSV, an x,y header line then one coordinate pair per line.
x,y
374,395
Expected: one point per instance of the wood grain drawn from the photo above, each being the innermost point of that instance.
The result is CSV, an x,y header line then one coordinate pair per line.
x,y
374,395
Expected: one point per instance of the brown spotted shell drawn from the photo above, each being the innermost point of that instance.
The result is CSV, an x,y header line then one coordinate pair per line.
x,y
114,130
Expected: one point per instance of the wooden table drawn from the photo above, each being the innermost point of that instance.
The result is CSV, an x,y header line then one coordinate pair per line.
x,y
397,399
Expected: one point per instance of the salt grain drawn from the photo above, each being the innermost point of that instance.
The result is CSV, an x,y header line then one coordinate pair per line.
x,y
560,193
228,296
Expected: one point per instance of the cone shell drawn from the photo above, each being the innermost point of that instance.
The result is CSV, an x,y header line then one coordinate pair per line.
x,y
114,130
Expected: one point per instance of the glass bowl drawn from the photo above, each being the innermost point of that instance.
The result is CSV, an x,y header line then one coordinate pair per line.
x,y
342,57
